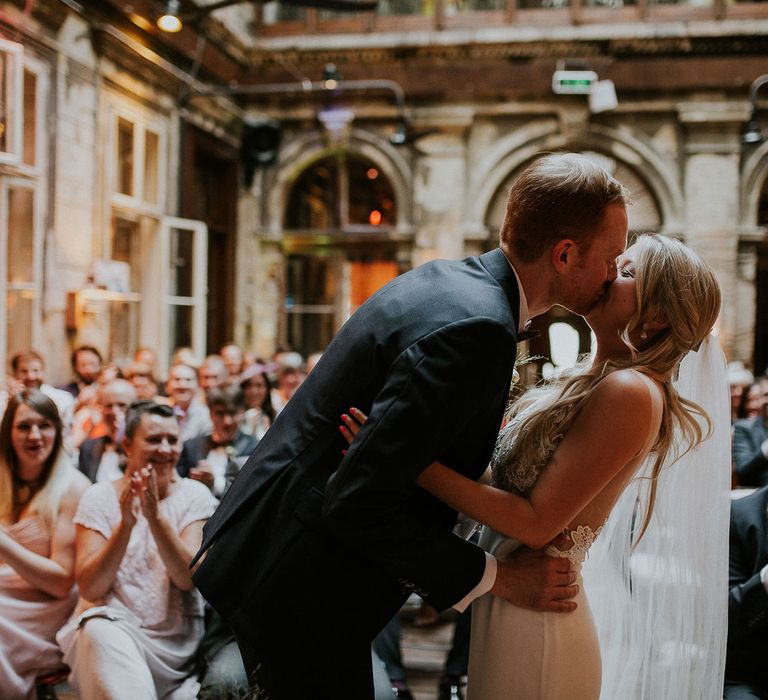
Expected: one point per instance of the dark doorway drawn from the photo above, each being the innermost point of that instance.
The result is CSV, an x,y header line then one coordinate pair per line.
x,y
209,187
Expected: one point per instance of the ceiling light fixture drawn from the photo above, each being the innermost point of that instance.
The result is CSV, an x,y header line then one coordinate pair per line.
x,y
170,21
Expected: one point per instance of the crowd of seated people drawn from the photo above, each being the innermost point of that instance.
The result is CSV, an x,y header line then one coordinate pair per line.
x,y
105,483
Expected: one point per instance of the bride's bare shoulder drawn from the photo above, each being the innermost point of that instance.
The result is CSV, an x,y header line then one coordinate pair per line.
x,y
629,391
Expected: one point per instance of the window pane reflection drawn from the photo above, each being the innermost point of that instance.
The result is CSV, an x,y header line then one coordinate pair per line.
x,y
21,238
182,267
124,156
181,326
19,306
151,167
30,117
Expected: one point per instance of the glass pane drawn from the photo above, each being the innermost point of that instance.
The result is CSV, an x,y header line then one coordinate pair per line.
x,y
181,326
311,281
5,108
123,331
371,197
19,319
314,198
453,7
406,7
21,235
309,331
30,117
275,12
151,167
182,263
126,247
124,156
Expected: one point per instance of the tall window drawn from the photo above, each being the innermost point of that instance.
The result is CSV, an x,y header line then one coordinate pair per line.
x,y
23,85
338,221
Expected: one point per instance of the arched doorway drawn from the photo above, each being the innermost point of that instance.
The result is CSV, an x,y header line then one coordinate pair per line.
x,y
340,246
565,336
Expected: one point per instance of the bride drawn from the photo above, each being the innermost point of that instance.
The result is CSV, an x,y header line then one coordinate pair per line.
x,y
562,463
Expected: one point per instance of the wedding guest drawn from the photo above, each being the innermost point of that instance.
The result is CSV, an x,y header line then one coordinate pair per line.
x,y
740,380
257,392
39,493
140,375
28,368
750,446
86,365
746,674
213,373
312,360
215,457
102,458
134,541
290,375
194,418
233,359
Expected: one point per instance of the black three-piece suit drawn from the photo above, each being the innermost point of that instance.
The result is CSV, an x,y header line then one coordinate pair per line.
x,y
310,553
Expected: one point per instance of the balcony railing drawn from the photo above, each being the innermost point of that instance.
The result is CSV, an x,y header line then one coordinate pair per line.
x,y
401,15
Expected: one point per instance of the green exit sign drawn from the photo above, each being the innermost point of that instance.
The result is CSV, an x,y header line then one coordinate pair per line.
x,y
573,82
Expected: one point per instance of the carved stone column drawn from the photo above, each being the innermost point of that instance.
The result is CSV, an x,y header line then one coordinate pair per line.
x,y
710,174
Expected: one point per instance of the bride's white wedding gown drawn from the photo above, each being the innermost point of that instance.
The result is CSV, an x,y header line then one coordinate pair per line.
x,y
520,654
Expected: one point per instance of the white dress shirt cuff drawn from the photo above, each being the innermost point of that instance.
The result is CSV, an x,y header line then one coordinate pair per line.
x,y
485,585
764,577
764,448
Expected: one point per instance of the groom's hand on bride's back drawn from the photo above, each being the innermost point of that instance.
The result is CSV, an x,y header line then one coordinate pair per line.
x,y
534,580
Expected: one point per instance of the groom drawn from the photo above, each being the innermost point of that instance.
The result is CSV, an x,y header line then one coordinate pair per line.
x,y
310,553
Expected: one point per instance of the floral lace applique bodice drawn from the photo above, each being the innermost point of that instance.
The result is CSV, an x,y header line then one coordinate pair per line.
x,y
519,477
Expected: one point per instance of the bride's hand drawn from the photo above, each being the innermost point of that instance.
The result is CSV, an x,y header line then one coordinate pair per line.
x,y
352,421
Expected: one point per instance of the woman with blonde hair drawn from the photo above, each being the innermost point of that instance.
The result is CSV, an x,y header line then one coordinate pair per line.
x,y
601,438
39,493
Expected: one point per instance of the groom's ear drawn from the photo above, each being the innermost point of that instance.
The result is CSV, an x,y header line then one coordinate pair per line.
x,y
562,254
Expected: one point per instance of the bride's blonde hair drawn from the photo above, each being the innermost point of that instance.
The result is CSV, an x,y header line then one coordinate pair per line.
x,y
674,287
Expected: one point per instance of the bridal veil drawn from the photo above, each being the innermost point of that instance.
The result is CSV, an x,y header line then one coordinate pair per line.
x,y
660,605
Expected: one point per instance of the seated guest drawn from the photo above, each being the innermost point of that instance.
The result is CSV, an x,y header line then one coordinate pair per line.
x,y
193,415
212,374
746,672
233,359
257,389
290,375
135,539
215,458
140,375
28,368
86,366
750,445
39,493
102,458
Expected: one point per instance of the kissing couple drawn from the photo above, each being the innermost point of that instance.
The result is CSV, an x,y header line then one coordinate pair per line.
x,y
312,551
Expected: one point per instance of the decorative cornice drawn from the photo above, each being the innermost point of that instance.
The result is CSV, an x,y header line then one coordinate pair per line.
x,y
523,50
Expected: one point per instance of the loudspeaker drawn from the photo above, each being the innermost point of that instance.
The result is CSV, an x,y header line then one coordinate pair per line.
x,y
259,146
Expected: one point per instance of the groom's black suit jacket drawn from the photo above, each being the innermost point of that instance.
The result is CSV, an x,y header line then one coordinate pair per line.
x,y
429,357
747,598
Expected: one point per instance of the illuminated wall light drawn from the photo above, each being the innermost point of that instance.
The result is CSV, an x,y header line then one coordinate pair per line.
x,y
374,218
372,173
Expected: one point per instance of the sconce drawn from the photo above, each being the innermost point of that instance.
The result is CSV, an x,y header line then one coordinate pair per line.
x,y
752,134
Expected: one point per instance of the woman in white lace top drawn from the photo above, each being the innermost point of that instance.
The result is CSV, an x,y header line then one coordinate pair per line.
x,y
567,454
135,537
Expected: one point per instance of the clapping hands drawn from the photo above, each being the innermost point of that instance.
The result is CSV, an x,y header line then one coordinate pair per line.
x,y
141,494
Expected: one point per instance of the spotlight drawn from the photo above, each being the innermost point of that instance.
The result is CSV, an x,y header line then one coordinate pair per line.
x,y
170,21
